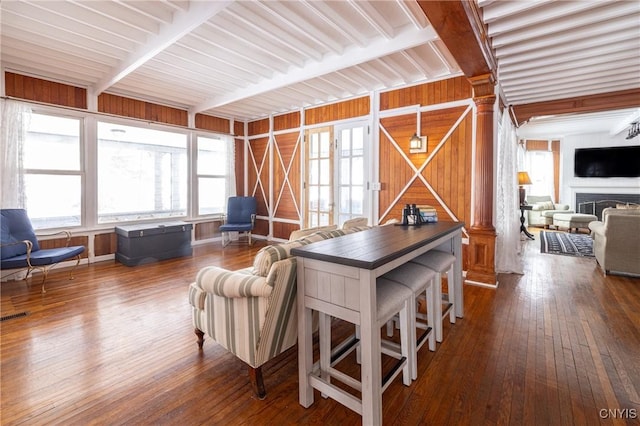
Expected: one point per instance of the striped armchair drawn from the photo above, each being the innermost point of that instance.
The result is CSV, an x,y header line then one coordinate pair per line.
x,y
252,312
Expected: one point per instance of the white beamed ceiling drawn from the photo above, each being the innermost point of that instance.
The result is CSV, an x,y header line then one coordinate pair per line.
x,y
235,59
549,50
249,59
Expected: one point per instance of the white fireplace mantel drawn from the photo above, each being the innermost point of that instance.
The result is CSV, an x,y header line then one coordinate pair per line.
x,y
630,189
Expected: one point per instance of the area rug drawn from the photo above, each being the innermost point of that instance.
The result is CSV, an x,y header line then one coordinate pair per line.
x,y
566,244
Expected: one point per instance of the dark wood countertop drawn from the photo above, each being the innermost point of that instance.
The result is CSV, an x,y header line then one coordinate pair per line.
x,y
376,246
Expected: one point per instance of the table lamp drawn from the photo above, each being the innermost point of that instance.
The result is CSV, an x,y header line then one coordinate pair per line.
x,y
523,179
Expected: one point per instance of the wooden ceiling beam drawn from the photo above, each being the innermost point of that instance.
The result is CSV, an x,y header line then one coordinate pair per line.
x,y
583,104
460,27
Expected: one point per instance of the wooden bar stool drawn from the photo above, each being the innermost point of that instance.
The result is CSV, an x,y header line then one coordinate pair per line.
x,y
441,262
392,299
421,281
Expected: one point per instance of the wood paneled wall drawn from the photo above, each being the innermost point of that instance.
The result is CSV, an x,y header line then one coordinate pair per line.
x,y
215,124
239,164
444,180
238,128
259,167
133,108
259,127
338,111
104,244
287,191
438,92
35,89
284,197
286,176
286,121
447,172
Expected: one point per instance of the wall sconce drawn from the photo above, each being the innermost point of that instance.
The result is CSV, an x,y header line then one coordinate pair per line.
x,y
417,144
523,179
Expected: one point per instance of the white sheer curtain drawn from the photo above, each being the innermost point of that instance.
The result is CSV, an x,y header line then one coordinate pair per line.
x,y
231,166
15,123
507,200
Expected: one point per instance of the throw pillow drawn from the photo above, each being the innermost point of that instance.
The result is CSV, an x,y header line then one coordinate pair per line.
x,y
543,205
628,206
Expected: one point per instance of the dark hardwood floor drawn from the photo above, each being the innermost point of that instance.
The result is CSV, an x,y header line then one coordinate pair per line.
x,y
557,345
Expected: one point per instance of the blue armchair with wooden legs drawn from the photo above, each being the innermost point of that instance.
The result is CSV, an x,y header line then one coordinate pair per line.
x,y
19,248
240,217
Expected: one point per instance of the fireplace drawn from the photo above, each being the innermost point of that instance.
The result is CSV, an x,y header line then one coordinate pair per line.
x,y
591,203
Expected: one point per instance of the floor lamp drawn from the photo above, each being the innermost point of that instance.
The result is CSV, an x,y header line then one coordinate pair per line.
x,y
523,179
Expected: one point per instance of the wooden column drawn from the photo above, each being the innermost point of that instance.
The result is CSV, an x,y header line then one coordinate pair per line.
x,y
482,234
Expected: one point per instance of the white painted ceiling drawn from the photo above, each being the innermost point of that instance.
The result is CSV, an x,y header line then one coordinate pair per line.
x,y
236,59
548,50
248,59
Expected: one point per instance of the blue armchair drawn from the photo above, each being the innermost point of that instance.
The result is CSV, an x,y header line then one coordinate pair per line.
x,y
240,217
19,248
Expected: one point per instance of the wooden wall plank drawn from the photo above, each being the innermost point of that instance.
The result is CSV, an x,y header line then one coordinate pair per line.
x,y
259,127
286,184
283,230
258,175
286,121
338,111
104,244
438,92
126,107
212,123
238,128
207,230
36,89
239,164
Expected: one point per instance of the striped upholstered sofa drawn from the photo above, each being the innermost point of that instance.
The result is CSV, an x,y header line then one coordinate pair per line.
x,y
252,312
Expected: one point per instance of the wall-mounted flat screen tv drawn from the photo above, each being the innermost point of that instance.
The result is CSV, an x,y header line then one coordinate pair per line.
x,y
619,161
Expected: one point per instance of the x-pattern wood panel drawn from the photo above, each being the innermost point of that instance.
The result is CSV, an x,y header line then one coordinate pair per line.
x,y
259,174
438,177
286,176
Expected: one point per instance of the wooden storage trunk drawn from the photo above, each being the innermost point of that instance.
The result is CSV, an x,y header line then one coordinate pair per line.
x,y
140,244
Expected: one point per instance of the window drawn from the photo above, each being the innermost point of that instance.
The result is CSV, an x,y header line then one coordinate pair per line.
x,y
319,179
215,174
338,181
53,172
351,187
541,171
142,173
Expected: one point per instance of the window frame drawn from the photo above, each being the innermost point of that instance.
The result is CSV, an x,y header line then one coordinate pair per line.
x,y
81,171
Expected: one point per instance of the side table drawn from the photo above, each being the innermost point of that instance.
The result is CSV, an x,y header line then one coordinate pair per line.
x,y
523,228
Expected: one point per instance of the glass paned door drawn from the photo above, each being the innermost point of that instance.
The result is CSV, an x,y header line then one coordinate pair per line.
x,y
352,167
319,181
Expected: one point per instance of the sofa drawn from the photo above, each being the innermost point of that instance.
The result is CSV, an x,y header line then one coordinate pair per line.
x,y
615,240
543,209
252,312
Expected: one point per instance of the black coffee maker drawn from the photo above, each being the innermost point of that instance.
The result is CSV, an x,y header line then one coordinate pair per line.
x,y
411,215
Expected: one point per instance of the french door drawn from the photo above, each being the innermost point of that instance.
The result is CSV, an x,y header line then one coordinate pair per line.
x,y
336,170
319,177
